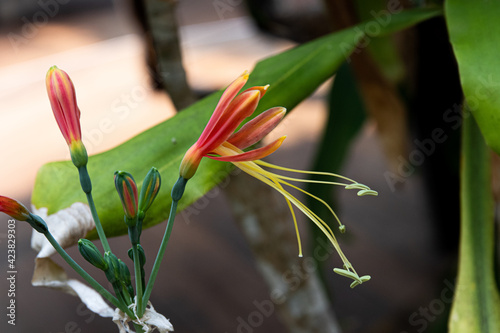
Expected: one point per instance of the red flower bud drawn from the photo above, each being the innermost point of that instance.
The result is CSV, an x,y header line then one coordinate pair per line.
x,y
13,208
127,190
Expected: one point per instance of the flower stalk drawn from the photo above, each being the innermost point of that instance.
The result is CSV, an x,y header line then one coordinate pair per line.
x,y
100,289
138,277
177,192
97,221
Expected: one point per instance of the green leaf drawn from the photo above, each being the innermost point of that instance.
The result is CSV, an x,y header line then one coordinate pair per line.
x,y
476,305
293,76
475,36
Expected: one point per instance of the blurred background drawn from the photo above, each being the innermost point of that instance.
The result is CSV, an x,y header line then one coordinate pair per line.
x,y
208,281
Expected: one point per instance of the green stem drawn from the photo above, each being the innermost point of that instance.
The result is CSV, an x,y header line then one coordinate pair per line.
x,y
477,303
87,188
119,295
138,328
138,279
100,289
126,295
159,257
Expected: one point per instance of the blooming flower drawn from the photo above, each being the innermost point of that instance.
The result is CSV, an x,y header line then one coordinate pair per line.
x,y
13,208
228,115
218,142
63,102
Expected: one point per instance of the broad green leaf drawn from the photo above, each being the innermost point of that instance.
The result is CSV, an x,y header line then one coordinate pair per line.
x,y
476,305
293,76
475,37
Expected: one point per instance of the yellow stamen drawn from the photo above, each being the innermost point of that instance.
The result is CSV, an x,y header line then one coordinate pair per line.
x,y
269,165
275,181
316,198
254,171
364,190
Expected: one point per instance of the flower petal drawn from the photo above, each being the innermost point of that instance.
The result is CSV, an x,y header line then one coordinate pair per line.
x,y
257,128
251,155
261,89
228,95
240,108
190,161
63,101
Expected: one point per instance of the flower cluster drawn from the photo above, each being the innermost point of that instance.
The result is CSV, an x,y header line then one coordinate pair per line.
x,y
221,140
133,303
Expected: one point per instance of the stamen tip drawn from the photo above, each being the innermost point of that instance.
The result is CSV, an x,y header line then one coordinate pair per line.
x,y
365,278
362,279
367,192
342,229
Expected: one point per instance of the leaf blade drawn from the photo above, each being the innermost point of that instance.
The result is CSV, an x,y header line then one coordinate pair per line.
x,y
474,33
